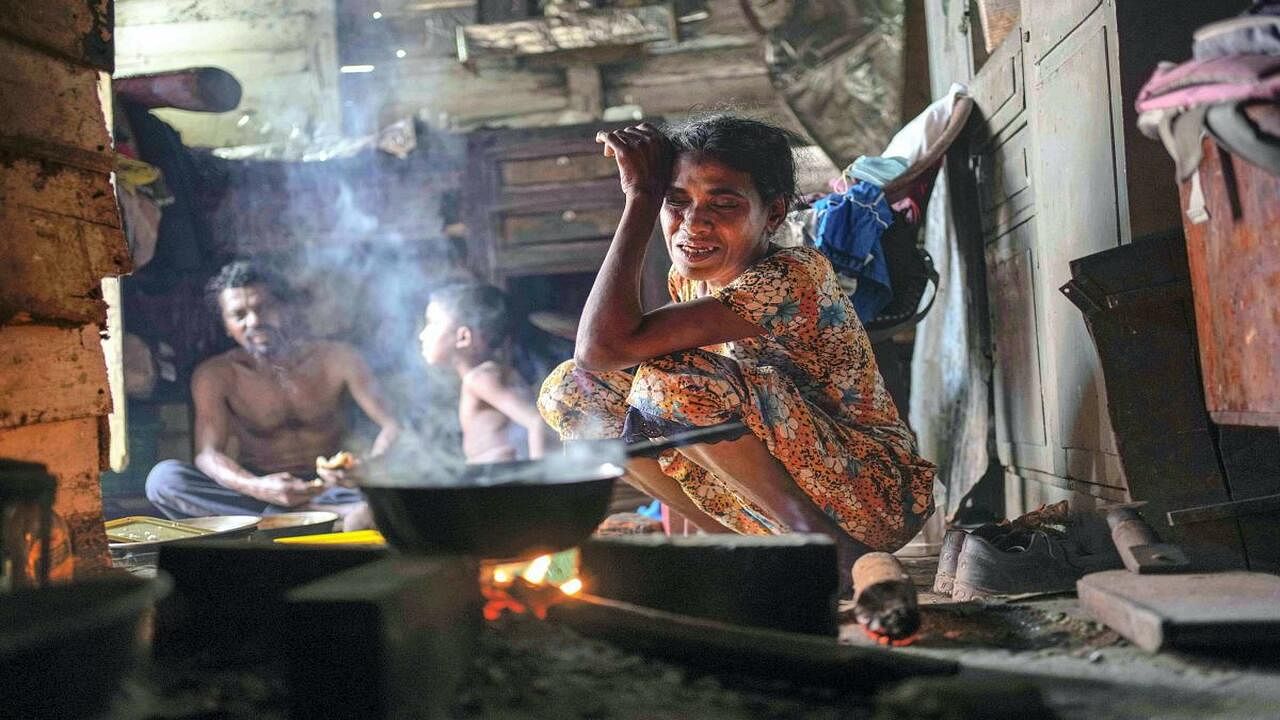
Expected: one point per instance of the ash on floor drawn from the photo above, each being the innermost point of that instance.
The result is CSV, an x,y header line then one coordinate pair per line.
x,y
528,668
1083,668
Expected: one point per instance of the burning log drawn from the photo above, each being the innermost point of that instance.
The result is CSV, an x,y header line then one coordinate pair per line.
x,y
884,602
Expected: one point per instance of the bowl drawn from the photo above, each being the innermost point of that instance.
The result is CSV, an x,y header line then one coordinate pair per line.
x,y
310,522
64,649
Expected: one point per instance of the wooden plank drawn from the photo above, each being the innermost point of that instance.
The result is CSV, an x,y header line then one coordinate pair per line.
x,y
675,94
58,189
60,106
1220,610
70,451
299,30
244,64
77,31
116,433
567,33
131,13
55,263
489,94
51,373
999,18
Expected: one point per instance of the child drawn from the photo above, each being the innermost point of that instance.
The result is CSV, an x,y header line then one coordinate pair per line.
x,y
467,329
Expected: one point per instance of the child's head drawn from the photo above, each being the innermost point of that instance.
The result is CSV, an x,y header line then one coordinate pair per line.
x,y
733,180
469,321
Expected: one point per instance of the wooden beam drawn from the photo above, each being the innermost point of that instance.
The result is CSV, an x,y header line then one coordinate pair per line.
x,y
299,30
116,433
132,13
586,93
619,27
69,449
51,373
79,31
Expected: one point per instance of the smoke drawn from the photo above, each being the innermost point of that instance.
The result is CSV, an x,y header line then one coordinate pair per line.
x,y
418,464
362,241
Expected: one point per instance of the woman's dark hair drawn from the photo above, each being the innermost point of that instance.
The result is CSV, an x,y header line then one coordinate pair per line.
x,y
757,148
243,273
483,308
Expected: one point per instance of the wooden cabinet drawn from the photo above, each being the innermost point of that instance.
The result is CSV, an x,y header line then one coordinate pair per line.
x,y
544,203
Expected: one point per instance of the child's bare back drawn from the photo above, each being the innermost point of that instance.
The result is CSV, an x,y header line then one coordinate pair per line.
x,y
492,395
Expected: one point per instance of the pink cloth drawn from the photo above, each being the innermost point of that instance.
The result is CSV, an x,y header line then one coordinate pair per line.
x,y
1206,82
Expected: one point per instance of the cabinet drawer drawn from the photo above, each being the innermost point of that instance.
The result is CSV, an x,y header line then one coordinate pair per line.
x,y
565,168
559,226
583,256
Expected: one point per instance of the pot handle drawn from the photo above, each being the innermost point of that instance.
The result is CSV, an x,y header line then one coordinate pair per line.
x,y
731,430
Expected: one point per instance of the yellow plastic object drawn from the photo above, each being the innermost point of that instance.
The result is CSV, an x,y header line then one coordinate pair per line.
x,y
358,537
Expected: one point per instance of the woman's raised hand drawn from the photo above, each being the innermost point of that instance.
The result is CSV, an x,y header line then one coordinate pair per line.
x,y
644,159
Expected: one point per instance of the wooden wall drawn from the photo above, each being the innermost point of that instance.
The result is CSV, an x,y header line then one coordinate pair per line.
x,y
283,52
59,237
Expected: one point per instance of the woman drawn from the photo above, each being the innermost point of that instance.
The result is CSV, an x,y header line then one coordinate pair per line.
x,y
757,333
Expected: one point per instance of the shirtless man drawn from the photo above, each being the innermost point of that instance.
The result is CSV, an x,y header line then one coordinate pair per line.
x,y
280,397
466,329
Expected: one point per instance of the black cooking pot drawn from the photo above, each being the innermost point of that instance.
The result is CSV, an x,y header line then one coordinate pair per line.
x,y
513,509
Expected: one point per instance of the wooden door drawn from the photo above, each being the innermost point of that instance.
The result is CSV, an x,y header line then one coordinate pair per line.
x,y
1077,161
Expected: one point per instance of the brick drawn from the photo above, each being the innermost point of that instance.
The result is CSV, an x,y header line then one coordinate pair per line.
x,y
390,639
69,449
783,582
51,373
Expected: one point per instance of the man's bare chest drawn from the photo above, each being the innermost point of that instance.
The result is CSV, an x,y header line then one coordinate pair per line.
x,y
266,402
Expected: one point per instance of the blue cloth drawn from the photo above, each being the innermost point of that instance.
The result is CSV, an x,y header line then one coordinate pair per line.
x,y
877,170
850,225
652,510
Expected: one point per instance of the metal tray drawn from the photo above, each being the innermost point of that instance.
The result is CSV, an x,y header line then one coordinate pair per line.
x,y
157,530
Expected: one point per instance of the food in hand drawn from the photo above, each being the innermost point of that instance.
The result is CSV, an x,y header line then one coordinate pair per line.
x,y
342,461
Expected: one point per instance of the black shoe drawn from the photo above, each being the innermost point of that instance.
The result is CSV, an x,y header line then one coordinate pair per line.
x,y
1028,561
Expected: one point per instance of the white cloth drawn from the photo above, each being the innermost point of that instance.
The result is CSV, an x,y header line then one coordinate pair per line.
x,y
949,368
917,136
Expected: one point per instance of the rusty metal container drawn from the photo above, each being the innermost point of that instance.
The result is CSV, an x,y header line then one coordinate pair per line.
x,y
1235,273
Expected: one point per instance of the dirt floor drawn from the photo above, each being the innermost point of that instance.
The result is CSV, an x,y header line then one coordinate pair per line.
x,y
1084,670
1041,647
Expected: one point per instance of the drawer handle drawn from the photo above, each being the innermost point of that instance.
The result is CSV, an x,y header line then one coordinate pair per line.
x,y
568,216
562,160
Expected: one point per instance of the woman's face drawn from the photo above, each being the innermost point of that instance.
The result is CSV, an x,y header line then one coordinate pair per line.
x,y
714,221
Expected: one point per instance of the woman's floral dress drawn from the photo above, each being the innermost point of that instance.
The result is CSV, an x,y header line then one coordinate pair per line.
x,y
808,387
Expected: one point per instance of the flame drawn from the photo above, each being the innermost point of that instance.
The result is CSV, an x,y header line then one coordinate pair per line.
x,y
536,571
528,587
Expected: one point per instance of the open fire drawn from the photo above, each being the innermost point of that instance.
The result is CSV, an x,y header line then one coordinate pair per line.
x,y
528,587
